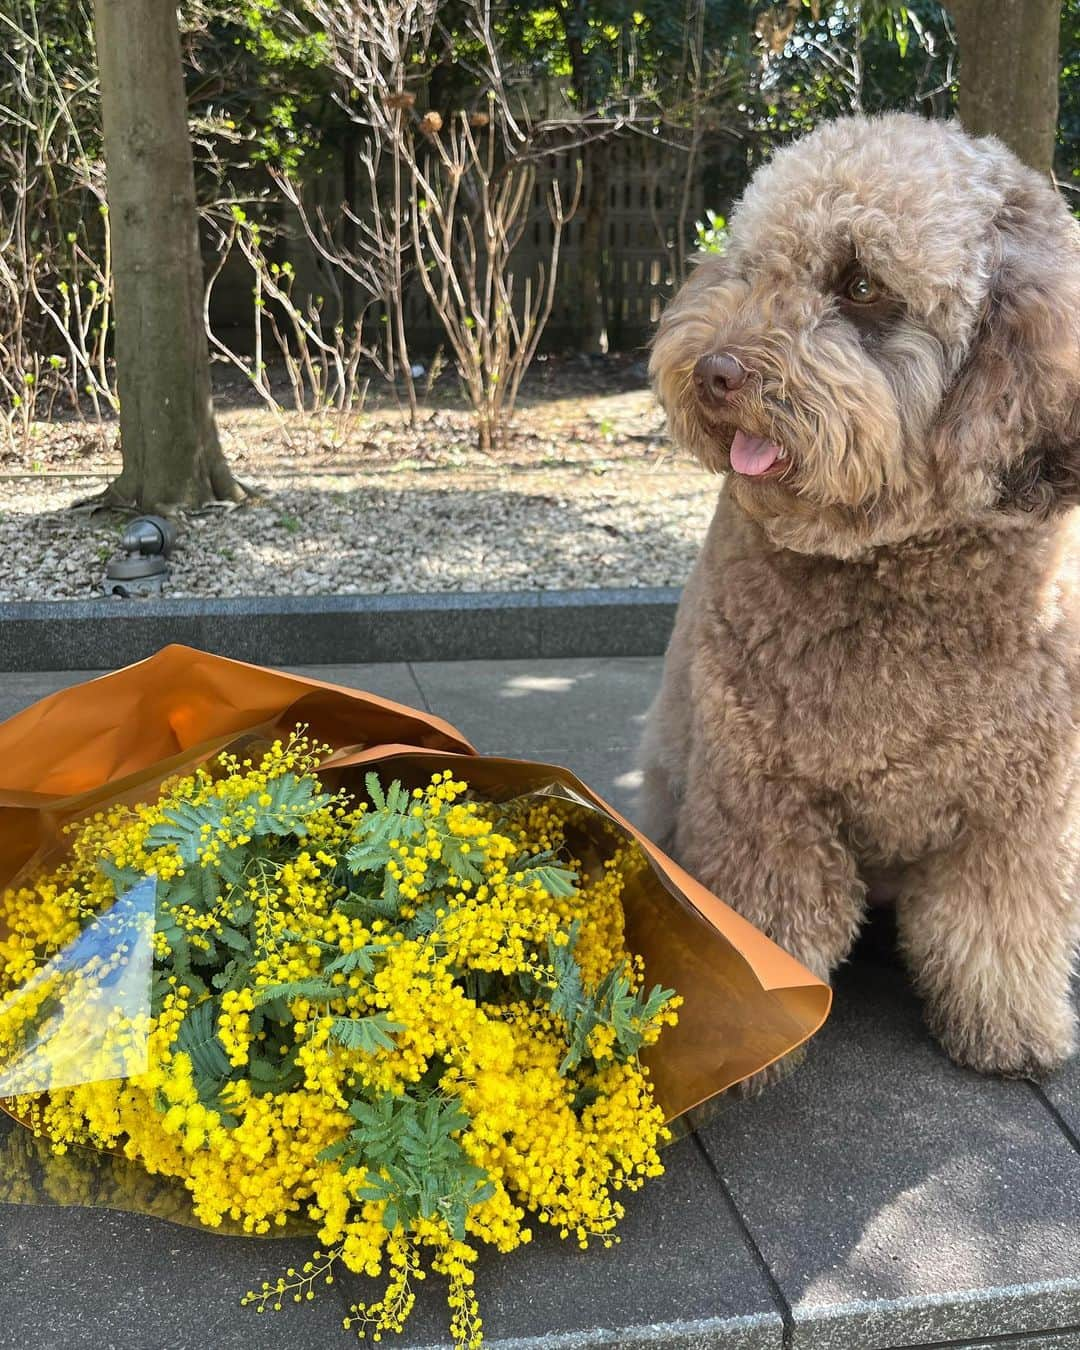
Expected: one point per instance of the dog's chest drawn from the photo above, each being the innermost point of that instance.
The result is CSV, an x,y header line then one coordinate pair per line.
x,y
872,697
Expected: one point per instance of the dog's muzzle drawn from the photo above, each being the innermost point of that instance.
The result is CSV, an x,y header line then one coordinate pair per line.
x,y
717,375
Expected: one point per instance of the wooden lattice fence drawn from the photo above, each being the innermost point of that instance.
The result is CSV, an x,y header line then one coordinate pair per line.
x,y
646,183
645,210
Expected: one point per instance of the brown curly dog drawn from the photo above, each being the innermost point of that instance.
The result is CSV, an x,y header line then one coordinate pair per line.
x,y
874,673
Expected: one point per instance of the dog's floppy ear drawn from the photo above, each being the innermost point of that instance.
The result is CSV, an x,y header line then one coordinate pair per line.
x,y
1014,408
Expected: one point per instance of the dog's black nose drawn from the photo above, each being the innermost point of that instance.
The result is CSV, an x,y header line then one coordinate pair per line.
x,y
717,375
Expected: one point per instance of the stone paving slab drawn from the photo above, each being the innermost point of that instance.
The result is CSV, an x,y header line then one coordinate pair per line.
x,y
92,1279
1064,1340
876,1199
899,1200
1061,1093
584,714
521,707
393,679
682,1277
19,689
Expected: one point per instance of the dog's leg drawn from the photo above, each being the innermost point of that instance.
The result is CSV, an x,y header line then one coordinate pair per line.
x,y
988,928
770,852
665,746
775,855
662,773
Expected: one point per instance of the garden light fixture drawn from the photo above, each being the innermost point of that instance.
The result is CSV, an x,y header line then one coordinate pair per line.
x,y
138,572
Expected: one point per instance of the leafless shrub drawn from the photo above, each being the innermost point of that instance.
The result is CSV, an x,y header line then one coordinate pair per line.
x,y
324,364
55,265
371,46
447,195
471,203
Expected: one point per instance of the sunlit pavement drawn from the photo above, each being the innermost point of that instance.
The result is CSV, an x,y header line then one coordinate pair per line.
x,y
878,1197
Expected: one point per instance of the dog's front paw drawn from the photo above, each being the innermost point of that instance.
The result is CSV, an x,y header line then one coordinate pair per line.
x,y
1007,1042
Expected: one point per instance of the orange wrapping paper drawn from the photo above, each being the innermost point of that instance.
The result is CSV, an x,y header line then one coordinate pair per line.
x,y
746,1002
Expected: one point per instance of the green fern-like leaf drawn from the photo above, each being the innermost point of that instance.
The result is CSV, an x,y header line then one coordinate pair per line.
x,y
360,958
613,1003
315,990
557,881
234,939
460,863
232,976
198,1039
188,825
280,1074
292,801
122,878
423,1171
357,905
199,888
545,867
366,1034
374,791
424,922
179,947
391,818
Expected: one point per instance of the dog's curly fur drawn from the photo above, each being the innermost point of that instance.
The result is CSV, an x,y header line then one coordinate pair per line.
x,y
874,673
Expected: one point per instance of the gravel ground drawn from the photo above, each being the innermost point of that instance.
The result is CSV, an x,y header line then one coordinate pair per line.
x,y
586,492
421,531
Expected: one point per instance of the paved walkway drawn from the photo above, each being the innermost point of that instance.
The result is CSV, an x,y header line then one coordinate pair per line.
x,y
878,1197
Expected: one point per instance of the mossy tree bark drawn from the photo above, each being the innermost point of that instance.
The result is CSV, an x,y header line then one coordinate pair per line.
x,y
595,181
595,154
172,457
1009,73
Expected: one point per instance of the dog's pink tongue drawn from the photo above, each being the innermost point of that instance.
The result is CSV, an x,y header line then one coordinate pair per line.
x,y
752,454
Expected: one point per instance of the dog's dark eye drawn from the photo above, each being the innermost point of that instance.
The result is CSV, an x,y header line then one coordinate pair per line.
x,y
866,305
860,289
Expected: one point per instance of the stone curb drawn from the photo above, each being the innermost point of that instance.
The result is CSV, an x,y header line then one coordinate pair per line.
x,y
339,629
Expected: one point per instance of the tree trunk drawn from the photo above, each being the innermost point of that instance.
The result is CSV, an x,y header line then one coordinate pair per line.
x,y
171,453
1009,73
595,180
592,331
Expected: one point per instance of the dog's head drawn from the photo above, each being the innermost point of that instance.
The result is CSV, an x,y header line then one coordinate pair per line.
x,y
891,343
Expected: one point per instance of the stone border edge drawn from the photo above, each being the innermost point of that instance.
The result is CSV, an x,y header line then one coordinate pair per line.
x,y
339,629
